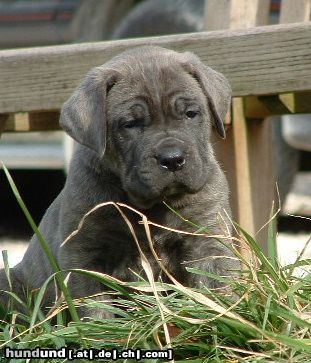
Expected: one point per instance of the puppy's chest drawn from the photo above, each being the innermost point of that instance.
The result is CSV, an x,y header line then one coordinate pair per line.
x,y
163,251
122,257
114,247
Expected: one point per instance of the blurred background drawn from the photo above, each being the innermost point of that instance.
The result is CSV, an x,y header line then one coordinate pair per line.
x,y
38,161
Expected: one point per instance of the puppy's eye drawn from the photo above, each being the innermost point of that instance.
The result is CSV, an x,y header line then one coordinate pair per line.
x,y
130,124
191,113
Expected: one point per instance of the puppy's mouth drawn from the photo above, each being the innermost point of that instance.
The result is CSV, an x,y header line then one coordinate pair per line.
x,y
171,192
175,190
146,188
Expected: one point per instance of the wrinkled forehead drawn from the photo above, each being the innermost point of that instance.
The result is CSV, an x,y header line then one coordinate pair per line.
x,y
154,79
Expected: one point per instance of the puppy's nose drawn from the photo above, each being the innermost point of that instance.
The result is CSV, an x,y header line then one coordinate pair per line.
x,y
172,161
170,156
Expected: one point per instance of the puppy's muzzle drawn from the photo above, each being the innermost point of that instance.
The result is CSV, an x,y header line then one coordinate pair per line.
x,y
170,154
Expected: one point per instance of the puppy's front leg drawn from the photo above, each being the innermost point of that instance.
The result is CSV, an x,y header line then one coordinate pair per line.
x,y
214,257
85,288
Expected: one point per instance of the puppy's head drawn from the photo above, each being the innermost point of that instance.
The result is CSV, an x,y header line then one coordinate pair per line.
x,y
148,114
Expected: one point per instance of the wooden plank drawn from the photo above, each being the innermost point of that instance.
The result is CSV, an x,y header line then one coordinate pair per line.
x,y
35,121
294,11
257,61
254,108
297,102
287,103
274,104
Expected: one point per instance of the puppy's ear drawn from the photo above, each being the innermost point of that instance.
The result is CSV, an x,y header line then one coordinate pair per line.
x,y
83,115
215,86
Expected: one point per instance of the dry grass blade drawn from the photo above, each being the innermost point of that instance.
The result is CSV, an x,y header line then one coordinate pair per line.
x,y
197,296
148,270
200,298
144,261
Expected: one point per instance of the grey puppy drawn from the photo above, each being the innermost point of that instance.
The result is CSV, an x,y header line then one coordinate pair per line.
x,y
143,124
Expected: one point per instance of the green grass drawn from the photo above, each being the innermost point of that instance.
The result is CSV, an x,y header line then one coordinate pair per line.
x,y
269,322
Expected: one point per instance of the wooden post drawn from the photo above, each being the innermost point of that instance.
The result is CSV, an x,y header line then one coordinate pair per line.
x,y
252,169
295,11
235,14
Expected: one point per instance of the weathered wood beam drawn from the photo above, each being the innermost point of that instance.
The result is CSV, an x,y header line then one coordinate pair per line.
x,y
257,61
